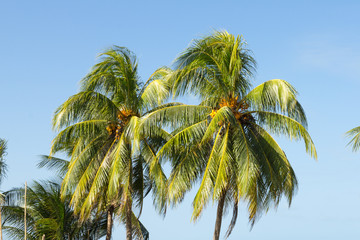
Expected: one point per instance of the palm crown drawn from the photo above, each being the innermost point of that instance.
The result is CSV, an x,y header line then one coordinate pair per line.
x,y
225,142
98,125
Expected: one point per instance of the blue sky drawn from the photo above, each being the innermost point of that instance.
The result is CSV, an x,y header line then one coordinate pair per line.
x,y
46,47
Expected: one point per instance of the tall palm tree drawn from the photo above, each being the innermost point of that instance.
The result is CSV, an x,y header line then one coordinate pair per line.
x,y
3,148
225,142
354,134
109,166
47,215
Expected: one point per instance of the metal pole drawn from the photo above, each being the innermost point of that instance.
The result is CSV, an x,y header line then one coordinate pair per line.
x,y
25,228
1,223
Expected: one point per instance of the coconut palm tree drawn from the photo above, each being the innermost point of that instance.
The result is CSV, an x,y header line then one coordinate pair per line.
x,y
47,215
354,134
225,142
108,168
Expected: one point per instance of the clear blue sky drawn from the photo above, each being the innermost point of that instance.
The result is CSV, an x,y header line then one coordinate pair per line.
x,y
46,47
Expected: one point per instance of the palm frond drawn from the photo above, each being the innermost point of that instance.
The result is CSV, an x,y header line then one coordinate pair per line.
x,y
172,116
53,163
276,96
208,179
280,124
156,90
97,106
214,65
354,134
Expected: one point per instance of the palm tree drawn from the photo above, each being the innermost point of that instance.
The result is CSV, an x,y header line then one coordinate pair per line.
x,y
47,215
354,134
3,147
109,166
60,166
225,142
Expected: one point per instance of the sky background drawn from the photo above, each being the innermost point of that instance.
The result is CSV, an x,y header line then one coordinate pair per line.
x,y
46,47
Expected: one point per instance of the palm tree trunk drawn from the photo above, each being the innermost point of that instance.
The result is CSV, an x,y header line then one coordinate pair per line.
x,y
219,215
128,219
109,223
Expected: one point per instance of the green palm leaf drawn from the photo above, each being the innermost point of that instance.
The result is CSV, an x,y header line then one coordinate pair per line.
x,y
354,134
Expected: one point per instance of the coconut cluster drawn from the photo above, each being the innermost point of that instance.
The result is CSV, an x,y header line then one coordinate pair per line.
x,y
123,117
239,109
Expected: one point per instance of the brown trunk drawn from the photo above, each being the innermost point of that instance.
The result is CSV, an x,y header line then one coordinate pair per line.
x,y
109,223
128,219
219,215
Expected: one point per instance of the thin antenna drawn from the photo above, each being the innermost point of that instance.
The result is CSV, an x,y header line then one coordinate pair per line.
x,y
25,212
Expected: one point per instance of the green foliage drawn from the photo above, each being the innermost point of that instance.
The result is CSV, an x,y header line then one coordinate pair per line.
x,y
215,64
3,147
354,134
113,131
60,166
47,214
111,161
225,142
